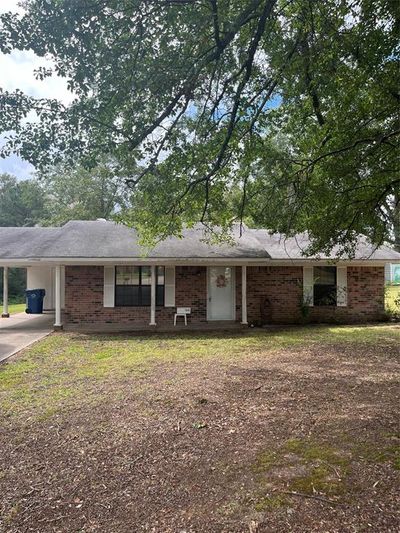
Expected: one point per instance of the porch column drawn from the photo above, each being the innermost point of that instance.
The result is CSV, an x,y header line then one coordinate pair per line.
x,y
5,313
153,297
244,295
57,290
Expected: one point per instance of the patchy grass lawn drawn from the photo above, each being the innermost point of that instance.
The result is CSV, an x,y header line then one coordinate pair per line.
x,y
292,430
16,308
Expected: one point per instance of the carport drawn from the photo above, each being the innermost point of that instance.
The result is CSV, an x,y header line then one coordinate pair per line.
x,y
39,276
19,330
31,248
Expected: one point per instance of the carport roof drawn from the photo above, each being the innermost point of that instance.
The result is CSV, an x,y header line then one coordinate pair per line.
x,y
107,240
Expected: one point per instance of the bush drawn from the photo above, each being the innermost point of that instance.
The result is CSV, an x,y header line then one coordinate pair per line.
x,y
16,285
392,301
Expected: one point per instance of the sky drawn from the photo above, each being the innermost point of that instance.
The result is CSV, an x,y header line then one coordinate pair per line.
x,y
17,72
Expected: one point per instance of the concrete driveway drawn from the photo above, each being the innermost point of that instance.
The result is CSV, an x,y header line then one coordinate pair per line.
x,y
21,330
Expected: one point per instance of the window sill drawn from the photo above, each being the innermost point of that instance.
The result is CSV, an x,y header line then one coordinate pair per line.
x,y
137,306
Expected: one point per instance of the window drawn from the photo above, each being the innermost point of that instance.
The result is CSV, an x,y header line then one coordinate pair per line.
x,y
133,285
325,286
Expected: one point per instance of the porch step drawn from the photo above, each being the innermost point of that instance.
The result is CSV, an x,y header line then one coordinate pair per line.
x,y
162,328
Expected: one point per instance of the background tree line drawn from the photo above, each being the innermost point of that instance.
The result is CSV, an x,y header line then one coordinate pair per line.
x,y
54,199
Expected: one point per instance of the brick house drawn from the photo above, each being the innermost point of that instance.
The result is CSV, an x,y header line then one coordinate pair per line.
x,y
96,275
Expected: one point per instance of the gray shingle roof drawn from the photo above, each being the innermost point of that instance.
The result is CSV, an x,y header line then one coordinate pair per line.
x,y
102,239
281,247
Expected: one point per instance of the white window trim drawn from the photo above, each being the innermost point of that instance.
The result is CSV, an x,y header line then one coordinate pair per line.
x,y
169,288
341,286
109,286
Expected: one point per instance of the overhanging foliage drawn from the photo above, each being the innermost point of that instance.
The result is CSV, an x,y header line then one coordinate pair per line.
x,y
281,113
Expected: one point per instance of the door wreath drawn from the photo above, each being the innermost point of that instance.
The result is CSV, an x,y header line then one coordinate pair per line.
x,y
221,281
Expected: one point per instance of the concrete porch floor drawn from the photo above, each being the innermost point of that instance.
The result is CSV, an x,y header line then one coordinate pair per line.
x,y
162,328
22,330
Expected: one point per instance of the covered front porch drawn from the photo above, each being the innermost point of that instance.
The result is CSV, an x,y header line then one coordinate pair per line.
x,y
214,296
155,296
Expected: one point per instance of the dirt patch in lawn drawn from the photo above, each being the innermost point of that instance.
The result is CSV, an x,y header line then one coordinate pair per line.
x,y
246,433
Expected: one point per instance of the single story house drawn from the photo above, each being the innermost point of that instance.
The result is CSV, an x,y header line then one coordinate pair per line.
x,y
95,274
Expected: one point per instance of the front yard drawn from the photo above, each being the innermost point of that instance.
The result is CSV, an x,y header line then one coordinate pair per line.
x,y
259,431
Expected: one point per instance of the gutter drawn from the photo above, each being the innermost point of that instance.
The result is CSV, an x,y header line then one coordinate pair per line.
x,y
191,261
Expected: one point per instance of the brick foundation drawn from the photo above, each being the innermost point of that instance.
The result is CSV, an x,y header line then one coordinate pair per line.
x,y
273,296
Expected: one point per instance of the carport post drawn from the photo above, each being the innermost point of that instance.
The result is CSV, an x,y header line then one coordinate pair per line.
x,y
244,295
58,323
5,313
153,297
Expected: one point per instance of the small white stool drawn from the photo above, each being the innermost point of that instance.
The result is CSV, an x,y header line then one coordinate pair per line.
x,y
183,312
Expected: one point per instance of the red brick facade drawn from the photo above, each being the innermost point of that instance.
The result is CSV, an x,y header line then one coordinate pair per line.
x,y
84,298
274,295
279,291
365,298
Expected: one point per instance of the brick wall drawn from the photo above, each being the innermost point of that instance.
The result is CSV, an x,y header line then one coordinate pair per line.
x,y
84,298
278,290
273,296
365,298
274,292
191,291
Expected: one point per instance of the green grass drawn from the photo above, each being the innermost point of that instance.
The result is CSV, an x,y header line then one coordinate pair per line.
x,y
271,502
314,467
64,369
15,308
318,467
390,453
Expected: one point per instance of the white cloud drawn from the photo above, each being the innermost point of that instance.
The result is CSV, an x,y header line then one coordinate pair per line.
x,y
17,167
17,72
10,5
18,69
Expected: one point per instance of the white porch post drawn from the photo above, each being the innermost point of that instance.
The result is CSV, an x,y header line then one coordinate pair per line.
x,y
153,297
5,313
58,323
244,294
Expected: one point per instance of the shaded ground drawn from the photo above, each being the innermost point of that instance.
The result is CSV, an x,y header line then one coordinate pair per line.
x,y
254,432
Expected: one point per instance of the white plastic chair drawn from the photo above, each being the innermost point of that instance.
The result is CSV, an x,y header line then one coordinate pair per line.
x,y
183,312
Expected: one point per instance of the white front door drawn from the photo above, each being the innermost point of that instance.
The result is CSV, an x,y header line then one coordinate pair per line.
x,y
221,287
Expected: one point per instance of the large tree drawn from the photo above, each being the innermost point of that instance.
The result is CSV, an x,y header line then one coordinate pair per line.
x,y
60,195
76,193
393,208
293,103
22,202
